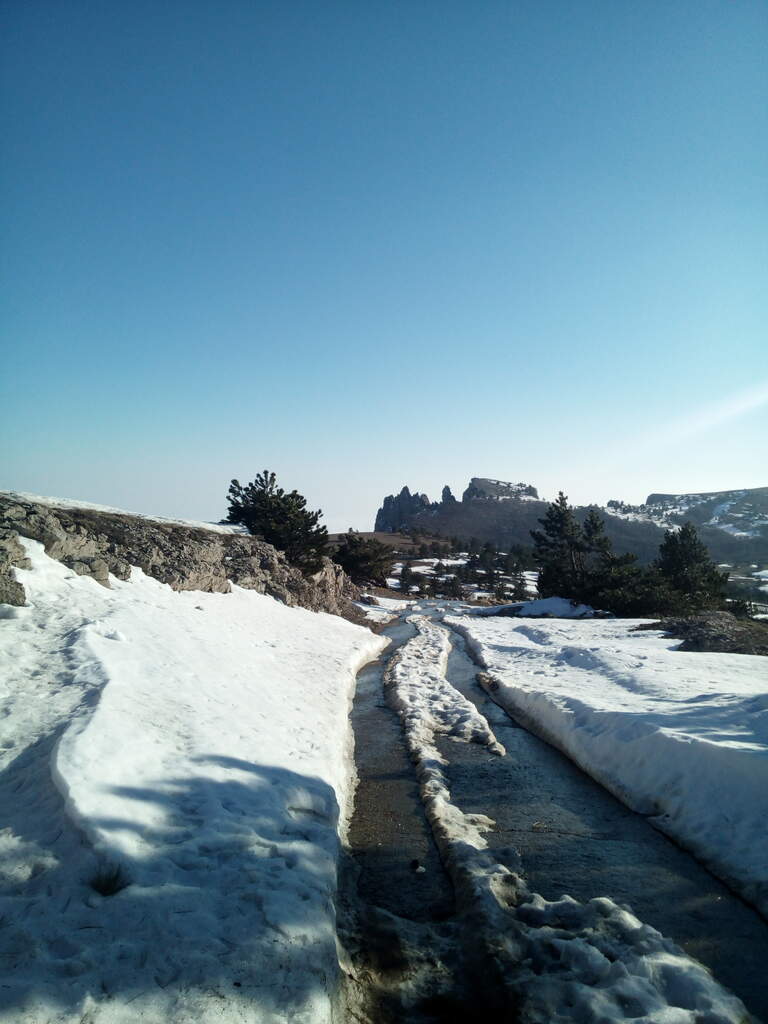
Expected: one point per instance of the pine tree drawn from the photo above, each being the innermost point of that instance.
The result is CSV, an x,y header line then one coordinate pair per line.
x,y
499,588
685,566
280,519
406,578
365,560
559,551
595,541
519,586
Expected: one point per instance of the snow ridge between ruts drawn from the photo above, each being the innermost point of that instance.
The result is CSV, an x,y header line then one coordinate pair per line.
x,y
560,961
428,705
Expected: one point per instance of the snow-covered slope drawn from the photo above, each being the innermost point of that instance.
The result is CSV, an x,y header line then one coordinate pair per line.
x,y
680,737
741,513
191,751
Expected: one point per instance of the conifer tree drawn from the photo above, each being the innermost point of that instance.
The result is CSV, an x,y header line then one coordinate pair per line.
x,y
280,519
685,566
499,588
364,560
559,551
595,541
406,578
519,587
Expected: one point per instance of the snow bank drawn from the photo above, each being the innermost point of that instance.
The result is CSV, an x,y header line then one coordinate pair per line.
x,y
378,615
545,607
385,610
392,604
595,961
563,960
193,748
680,737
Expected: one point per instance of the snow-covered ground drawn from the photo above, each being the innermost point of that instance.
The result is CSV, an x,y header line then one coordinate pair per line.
x,y
554,607
680,737
565,961
69,503
190,750
385,610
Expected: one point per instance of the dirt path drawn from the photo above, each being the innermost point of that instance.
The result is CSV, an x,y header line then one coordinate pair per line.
x,y
571,835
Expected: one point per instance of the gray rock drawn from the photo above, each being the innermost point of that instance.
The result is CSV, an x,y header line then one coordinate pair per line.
x,y
11,554
95,544
716,631
398,510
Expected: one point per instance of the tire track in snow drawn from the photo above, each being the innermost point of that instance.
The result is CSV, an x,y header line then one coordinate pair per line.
x,y
528,954
573,836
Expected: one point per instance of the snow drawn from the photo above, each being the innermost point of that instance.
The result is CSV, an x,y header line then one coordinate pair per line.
x,y
392,604
423,697
563,960
681,737
385,610
378,615
195,746
91,507
547,607
445,561
735,531
662,513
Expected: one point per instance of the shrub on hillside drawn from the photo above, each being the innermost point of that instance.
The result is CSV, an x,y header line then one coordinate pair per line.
x,y
365,560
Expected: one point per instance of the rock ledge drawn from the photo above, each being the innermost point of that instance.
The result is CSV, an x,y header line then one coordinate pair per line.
x,y
97,543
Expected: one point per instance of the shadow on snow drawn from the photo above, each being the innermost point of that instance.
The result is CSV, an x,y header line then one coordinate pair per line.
x,y
229,899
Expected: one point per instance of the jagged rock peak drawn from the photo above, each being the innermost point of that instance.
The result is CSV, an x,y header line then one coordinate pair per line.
x,y
399,509
483,487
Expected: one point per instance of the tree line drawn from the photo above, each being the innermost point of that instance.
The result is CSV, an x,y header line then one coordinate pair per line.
x,y
574,560
578,561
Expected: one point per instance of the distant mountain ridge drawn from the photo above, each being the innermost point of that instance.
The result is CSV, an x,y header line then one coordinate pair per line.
x,y
733,524
740,513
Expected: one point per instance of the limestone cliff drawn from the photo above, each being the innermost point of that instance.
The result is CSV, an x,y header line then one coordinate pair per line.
x,y
398,510
96,543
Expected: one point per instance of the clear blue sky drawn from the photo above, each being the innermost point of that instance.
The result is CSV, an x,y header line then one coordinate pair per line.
x,y
374,243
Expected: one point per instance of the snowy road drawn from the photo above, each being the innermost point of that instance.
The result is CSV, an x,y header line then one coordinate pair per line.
x,y
505,803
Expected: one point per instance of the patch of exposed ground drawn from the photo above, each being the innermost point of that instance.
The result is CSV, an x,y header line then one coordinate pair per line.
x,y
718,632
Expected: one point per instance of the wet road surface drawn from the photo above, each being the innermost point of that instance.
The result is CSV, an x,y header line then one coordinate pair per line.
x,y
572,835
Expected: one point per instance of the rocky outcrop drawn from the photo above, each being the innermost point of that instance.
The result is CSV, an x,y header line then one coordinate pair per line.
x,y
482,487
715,631
11,554
97,544
398,510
